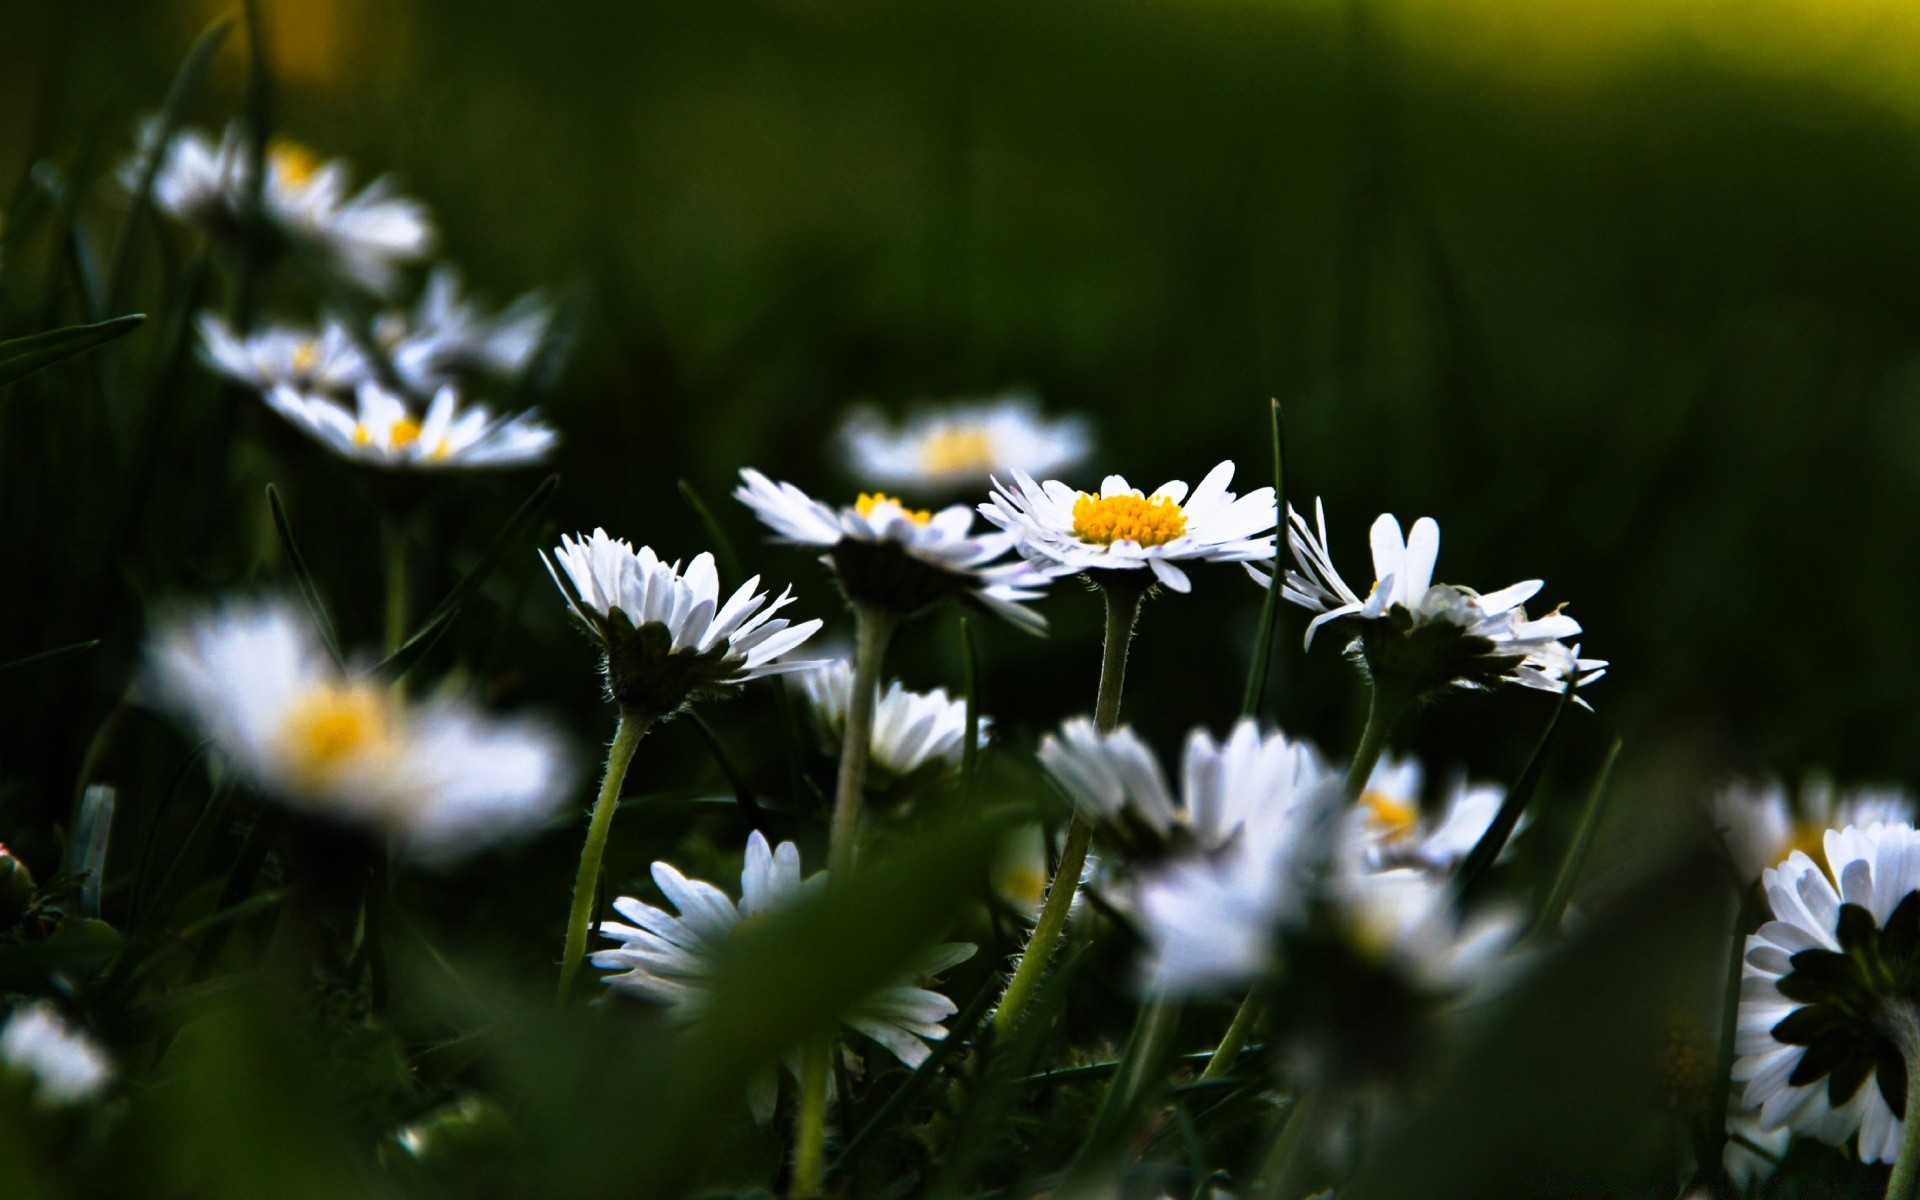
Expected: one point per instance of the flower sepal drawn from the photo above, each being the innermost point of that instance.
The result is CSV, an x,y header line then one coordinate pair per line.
x,y
646,677
883,575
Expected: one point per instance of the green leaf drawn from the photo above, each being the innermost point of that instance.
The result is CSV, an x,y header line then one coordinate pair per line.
x,y
172,111
1269,609
302,577
1555,908
23,356
422,640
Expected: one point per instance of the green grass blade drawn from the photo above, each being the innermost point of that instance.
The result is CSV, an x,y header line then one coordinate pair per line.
x,y
1269,610
259,121
172,112
1556,906
302,577
23,356
422,640
722,544
958,1032
970,676
742,794
34,660
1481,858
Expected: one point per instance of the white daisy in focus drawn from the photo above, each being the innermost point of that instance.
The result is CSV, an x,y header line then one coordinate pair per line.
x,y
447,337
382,431
667,957
913,732
1120,529
66,1065
438,778
1389,829
899,559
1424,635
307,360
362,236
959,446
667,637
1829,1019
1759,823
1115,780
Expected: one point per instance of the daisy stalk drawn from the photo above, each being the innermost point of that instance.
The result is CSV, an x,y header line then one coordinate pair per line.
x,y
873,629
626,737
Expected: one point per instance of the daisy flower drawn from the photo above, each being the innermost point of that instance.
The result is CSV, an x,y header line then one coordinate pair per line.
x,y
1389,829
362,236
1753,1152
1119,529
913,732
1426,635
667,957
382,431
324,360
960,446
66,1065
438,778
899,559
666,636
1829,1019
447,337
1116,781
1760,824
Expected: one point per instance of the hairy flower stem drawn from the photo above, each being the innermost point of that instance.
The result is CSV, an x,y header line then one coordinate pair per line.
x,y
873,629
1384,706
1123,608
1234,1040
810,1125
1906,1167
580,917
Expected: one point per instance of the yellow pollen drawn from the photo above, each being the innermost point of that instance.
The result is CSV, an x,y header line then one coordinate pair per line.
x,y
440,450
294,163
1394,819
953,451
869,501
361,435
305,357
1129,517
333,725
1810,838
405,432
1025,885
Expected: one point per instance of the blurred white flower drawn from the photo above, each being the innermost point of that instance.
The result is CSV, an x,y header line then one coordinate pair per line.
x,y
363,236
324,360
383,431
1389,829
66,1065
1119,529
901,559
1829,1015
959,446
446,336
1760,824
1747,1166
911,730
668,958
439,778
1431,634
667,637
1406,919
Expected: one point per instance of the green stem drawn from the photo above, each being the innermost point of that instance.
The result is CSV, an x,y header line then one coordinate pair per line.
x,y
394,543
873,629
1123,608
810,1127
1383,710
1906,1167
1234,1040
580,917
1286,1165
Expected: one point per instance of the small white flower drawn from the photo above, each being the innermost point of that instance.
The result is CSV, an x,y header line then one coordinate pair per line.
x,y
667,637
1405,917
447,336
902,559
668,958
1119,529
362,236
1495,640
1760,824
962,445
324,360
382,430
1389,829
1828,994
66,1065
911,730
439,778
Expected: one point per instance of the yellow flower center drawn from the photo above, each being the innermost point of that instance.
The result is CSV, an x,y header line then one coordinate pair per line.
x,y
294,163
1024,886
333,725
305,357
953,451
1129,517
1395,820
1808,837
401,434
869,501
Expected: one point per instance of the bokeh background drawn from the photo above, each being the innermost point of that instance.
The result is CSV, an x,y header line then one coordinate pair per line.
x,y
1626,295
